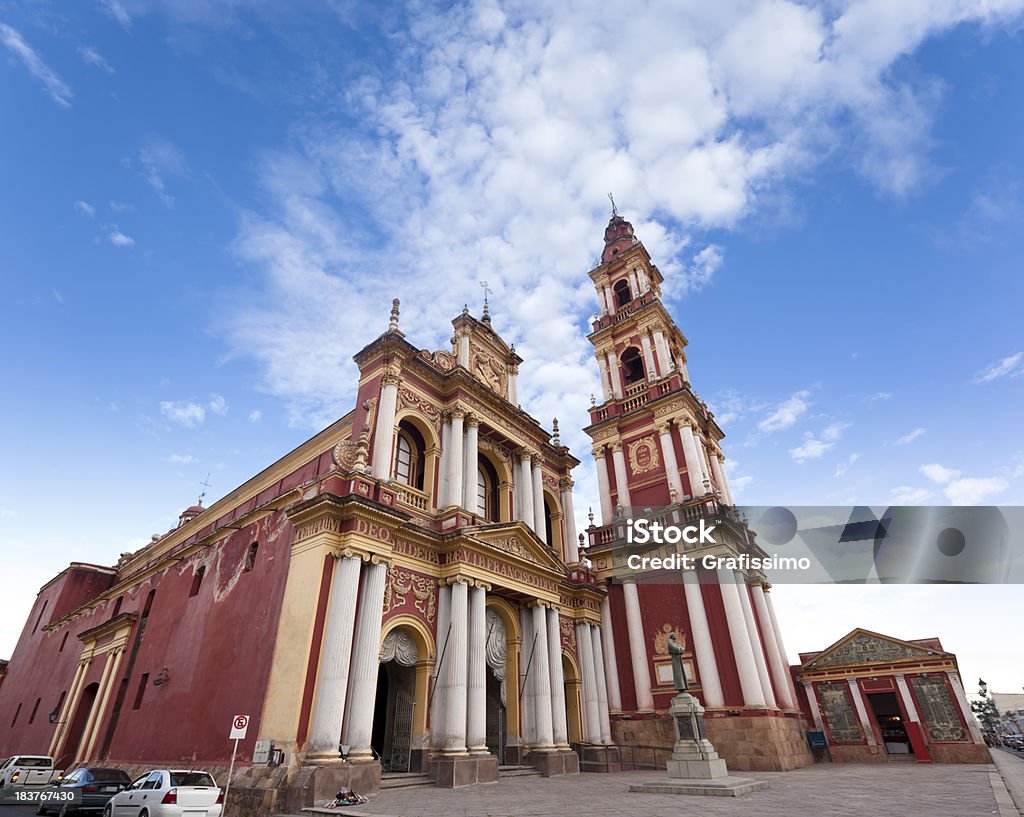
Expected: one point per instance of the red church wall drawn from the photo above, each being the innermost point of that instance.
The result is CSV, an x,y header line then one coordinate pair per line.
x,y
660,604
216,646
81,584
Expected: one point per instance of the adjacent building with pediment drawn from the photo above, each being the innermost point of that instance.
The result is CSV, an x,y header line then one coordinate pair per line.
x,y
879,698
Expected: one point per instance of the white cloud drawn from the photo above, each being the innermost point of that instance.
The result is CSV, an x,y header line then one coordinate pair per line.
x,y
255,416
159,160
119,239
184,412
813,448
908,438
180,459
905,495
877,397
218,405
702,268
786,413
59,92
974,490
116,9
1007,367
844,467
93,57
939,474
85,208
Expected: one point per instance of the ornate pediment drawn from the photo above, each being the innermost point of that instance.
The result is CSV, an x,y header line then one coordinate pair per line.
x,y
517,541
864,647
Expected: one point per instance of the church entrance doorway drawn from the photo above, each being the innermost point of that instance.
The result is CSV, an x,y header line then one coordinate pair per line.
x,y
495,719
78,722
890,722
395,702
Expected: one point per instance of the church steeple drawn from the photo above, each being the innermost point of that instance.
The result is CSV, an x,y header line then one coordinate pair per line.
x,y
655,442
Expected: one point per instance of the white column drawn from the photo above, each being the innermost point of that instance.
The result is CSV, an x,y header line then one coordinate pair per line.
x,y
446,455
780,672
668,450
718,470
690,455
601,466
437,715
539,527
862,712
463,359
725,480
645,282
527,664
907,698
812,702
455,705
591,711
513,386
383,437
965,708
476,695
526,489
572,547
611,664
559,721
470,497
703,648
702,460
610,298
645,345
615,374
455,460
638,649
634,287
542,681
602,686
684,370
601,302
365,663
621,480
755,639
743,651
335,658
606,379
661,348
779,643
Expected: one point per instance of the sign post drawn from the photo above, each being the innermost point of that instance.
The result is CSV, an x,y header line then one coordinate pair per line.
x,y
239,726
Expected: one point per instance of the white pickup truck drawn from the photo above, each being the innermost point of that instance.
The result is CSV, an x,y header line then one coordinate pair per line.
x,y
28,770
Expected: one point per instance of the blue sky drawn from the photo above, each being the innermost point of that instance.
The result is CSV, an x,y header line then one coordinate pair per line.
x,y
207,207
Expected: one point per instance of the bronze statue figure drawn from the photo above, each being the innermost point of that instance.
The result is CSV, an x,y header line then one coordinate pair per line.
x,y
676,650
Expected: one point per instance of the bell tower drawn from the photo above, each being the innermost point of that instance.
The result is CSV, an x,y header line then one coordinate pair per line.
x,y
655,442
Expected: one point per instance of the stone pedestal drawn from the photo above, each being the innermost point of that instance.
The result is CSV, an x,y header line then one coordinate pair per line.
x,y
552,764
455,772
695,767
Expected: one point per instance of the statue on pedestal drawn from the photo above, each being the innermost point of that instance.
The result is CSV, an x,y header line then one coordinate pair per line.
x,y
676,650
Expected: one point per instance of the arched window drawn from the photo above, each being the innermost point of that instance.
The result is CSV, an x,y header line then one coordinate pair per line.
x,y
632,366
487,502
548,529
622,294
410,454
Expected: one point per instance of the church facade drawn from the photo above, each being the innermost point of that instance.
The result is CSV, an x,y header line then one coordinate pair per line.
x,y
406,591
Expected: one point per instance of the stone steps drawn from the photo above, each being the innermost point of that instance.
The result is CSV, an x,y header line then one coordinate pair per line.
x,y
404,780
518,771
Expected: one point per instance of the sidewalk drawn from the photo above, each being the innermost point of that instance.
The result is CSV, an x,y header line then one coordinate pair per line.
x,y
1010,765
823,790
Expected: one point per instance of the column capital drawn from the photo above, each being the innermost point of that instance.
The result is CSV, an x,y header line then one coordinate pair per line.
x,y
446,415
535,458
616,446
565,483
457,578
662,426
472,420
392,376
457,411
599,451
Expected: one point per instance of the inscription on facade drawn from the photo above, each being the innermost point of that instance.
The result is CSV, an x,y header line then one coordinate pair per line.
x,y
938,709
843,725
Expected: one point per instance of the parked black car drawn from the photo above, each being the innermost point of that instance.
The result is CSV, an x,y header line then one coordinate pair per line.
x,y
96,786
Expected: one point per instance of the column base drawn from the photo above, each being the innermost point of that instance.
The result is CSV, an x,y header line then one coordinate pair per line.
x,y
455,772
595,758
554,762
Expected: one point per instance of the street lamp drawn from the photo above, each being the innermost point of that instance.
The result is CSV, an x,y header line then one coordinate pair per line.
x,y
982,688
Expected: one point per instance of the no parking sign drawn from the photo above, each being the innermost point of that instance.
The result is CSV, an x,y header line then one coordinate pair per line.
x,y
239,726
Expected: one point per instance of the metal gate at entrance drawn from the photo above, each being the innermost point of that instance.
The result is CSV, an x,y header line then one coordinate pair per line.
x,y
495,719
401,734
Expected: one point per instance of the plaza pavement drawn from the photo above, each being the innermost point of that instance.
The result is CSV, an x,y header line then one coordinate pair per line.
x,y
823,790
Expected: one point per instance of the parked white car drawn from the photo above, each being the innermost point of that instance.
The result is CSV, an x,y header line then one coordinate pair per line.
x,y
28,770
168,793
